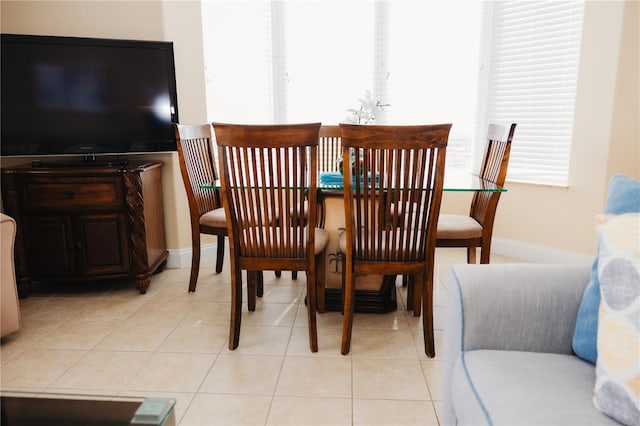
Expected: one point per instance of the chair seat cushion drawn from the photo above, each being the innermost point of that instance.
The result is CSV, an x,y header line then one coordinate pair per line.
x,y
321,238
532,388
215,218
453,226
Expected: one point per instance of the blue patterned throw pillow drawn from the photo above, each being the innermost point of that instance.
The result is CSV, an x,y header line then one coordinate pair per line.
x,y
623,197
617,389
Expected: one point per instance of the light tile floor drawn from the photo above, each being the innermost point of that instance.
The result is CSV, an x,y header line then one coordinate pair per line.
x,y
106,339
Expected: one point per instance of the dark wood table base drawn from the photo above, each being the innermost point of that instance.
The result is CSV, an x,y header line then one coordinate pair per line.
x,y
366,301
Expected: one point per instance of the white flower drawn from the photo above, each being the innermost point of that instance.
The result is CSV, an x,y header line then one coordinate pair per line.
x,y
367,111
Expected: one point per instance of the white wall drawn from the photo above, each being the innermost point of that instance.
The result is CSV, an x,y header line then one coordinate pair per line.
x,y
624,156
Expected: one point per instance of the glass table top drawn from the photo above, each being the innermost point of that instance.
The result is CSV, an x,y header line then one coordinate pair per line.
x,y
454,181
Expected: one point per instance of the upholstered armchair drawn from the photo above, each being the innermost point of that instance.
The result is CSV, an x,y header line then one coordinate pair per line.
x,y
9,304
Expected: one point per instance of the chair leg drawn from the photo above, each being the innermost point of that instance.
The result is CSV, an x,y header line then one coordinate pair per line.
x,y
236,306
259,284
220,254
252,278
278,273
427,315
485,252
414,295
471,255
343,286
195,263
294,275
321,281
416,299
348,309
312,276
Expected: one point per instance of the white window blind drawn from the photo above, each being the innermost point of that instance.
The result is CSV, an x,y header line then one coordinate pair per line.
x,y
532,76
238,61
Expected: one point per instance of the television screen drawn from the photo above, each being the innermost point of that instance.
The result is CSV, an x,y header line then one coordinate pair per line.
x,y
67,95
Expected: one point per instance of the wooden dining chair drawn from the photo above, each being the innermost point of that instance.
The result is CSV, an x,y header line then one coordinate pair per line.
x,y
476,229
206,214
392,200
267,169
329,148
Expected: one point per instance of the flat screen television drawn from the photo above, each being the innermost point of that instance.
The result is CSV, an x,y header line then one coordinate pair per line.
x,y
70,95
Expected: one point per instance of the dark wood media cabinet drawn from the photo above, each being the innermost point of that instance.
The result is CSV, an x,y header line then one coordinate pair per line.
x,y
86,222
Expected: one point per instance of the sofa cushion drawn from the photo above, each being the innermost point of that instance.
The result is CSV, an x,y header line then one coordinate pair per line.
x,y
527,388
617,388
623,197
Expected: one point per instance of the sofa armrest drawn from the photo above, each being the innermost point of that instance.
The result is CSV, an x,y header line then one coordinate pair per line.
x,y
518,307
521,307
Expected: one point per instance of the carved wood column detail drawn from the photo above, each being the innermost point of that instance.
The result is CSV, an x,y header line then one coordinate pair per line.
x,y
135,218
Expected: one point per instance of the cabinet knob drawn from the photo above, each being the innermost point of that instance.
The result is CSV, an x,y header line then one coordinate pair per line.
x,y
68,195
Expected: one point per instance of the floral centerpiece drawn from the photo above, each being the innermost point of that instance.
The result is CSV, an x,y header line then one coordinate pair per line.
x,y
364,115
367,111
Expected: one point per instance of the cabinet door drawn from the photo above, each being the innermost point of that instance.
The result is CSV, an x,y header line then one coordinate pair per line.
x,y
50,245
102,243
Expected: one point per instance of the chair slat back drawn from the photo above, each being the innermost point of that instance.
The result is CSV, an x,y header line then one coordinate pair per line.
x,y
197,166
495,163
265,180
329,149
393,177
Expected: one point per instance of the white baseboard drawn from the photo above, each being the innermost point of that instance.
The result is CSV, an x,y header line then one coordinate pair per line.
x,y
181,258
527,252
535,253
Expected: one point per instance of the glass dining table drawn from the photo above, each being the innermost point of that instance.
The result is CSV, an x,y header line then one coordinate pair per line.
x,y
454,181
330,184
373,294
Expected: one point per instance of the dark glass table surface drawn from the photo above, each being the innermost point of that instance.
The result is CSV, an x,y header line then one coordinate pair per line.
x,y
52,409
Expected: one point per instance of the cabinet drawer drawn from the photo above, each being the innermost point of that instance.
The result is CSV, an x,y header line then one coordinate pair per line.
x,y
89,193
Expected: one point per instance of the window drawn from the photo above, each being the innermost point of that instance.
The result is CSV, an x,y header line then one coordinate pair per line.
x,y
531,72
292,61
